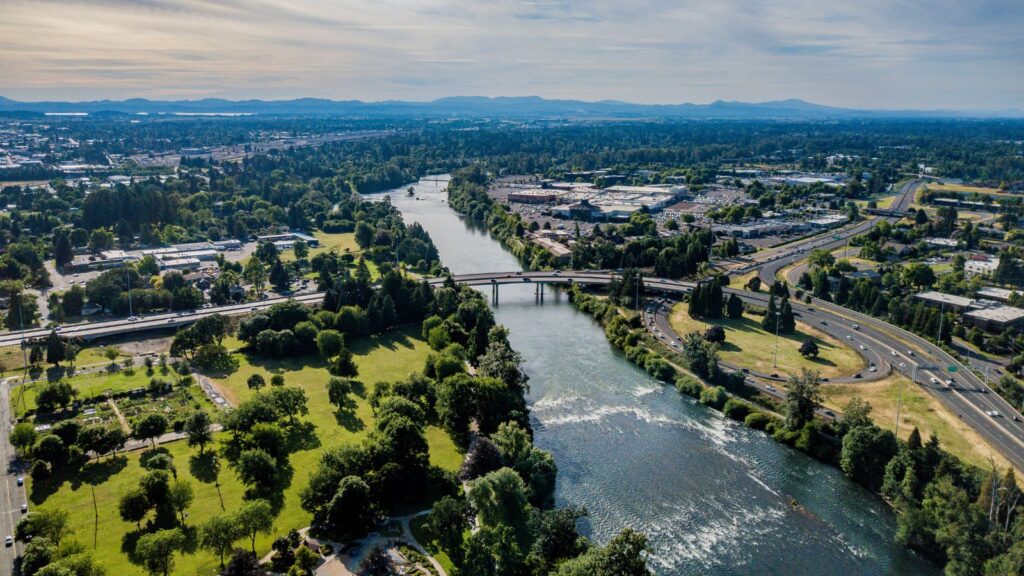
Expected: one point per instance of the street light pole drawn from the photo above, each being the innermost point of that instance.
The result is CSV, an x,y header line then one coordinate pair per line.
x,y
899,401
128,278
778,316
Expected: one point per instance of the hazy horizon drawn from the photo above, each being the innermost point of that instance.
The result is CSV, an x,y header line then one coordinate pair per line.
x,y
874,55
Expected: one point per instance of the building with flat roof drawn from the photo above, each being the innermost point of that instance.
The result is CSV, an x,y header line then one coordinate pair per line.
x,y
179,264
941,242
997,294
996,318
289,236
533,196
950,301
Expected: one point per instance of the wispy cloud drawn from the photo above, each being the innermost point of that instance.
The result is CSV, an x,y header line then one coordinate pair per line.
x,y
872,53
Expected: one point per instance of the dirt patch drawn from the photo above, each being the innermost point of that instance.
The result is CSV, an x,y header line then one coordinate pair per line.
x,y
142,347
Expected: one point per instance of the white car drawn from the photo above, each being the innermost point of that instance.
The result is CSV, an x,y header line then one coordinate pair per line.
x,y
863,347
933,380
133,318
992,414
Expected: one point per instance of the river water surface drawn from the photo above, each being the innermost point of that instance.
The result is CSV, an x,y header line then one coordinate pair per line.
x,y
713,496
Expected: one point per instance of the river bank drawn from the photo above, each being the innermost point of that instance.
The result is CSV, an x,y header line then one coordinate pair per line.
x,y
714,496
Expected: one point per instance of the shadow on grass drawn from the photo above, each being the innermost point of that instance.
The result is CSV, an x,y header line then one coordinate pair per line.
x,y
400,337
301,436
347,418
204,467
93,473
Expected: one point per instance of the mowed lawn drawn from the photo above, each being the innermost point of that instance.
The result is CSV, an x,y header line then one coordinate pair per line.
x,y
920,409
337,242
391,357
748,346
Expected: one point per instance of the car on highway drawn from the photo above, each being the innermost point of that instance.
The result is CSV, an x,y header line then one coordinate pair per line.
x,y
992,414
170,320
133,318
24,508
823,323
933,380
863,347
21,480
9,541
910,352
873,369
894,353
856,327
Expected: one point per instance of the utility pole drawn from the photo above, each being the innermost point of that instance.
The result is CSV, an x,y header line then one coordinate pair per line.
x,y
21,327
128,278
899,401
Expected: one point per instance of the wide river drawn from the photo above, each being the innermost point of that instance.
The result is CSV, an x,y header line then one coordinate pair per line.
x,y
713,496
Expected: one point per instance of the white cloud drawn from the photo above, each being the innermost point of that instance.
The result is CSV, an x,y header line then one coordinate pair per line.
x,y
940,53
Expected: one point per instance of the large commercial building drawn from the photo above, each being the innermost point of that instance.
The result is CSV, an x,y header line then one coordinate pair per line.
x,y
578,200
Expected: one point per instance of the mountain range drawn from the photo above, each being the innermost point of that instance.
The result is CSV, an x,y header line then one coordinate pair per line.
x,y
485,107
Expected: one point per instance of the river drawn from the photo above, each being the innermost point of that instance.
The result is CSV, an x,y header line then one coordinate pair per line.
x,y
713,496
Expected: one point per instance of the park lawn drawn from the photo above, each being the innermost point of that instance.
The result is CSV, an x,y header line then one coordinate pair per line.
x,y
385,358
329,242
747,345
88,385
919,409
443,451
100,486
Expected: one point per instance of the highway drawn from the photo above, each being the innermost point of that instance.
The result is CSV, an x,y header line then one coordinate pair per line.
x,y
92,330
769,262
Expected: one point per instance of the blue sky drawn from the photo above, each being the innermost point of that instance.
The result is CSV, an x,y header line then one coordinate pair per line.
x,y
922,54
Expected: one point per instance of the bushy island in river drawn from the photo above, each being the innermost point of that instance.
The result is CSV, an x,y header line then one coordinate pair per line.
x,y
959,516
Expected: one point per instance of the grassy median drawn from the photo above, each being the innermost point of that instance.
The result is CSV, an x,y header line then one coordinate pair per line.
x,y
919,409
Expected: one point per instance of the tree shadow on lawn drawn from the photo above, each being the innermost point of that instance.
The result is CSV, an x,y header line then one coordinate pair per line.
x,y
92,473
301,436
347,418
205,468
393,340
285,365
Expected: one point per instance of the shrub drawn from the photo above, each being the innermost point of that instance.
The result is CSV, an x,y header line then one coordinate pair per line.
x,y
659,368
689,386
758,420
714,397
736,409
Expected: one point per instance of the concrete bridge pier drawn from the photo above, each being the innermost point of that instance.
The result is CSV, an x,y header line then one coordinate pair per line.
x,y
538,292
494,294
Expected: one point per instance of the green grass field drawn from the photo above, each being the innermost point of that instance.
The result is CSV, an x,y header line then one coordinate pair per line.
x,y
340,243
920,409
748,346
390,357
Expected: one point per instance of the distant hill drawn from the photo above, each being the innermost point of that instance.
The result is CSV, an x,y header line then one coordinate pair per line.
x,y
484,107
